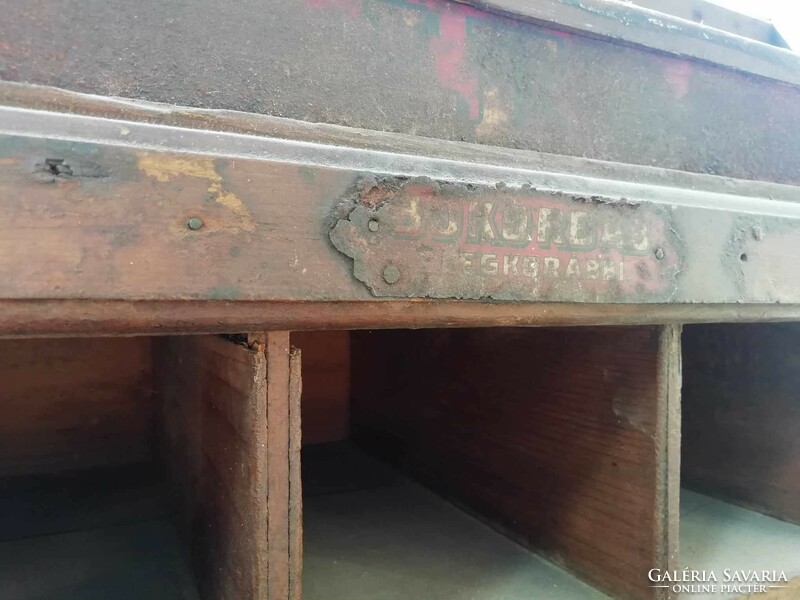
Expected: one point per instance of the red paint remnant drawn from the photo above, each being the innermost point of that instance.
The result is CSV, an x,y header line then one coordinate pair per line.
x,y
351,7
449,52
677,73
449,48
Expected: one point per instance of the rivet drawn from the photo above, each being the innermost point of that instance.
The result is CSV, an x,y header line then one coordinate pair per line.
x,y
373,225
659,253
391,274
194,223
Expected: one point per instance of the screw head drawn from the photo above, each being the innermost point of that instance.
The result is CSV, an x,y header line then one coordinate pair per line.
x,y
391,274
373,225
659,253
194,223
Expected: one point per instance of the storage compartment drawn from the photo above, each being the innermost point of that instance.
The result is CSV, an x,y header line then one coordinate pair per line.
x,y
439,464
740,507
489,463
84,509
140,468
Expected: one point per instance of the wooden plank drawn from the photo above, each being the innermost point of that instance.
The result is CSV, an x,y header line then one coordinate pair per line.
x,y
741,415
218,458
565,438
59,318
326,384
295,476
227,439
276,350
75,404
122,203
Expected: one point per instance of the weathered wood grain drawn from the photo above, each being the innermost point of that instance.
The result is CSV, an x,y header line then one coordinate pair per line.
x,y
326,385
227,439
109,204
75,404
214,395
566,438
276,349
741,413
59,318
295,476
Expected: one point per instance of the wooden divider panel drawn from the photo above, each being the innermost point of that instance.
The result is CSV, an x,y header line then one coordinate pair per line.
x,y
71,404
326,385
566,438
742,415
227,412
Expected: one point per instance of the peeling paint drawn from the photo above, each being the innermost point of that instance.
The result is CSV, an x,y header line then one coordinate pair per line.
x,y
165,167
495,115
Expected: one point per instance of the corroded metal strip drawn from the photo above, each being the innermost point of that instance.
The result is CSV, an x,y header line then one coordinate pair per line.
x,y
419,238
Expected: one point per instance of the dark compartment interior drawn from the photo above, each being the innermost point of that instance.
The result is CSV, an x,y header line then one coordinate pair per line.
x,y
84,508
481,463
436,464
740,459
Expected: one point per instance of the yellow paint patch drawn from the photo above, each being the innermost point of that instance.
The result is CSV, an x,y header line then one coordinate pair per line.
x,y
494,113
233,203
411,18
165,167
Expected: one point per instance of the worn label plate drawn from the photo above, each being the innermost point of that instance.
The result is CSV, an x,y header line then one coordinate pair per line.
x,y
420,238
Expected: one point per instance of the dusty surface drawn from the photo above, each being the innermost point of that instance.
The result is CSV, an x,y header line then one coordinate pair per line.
x,y
718,536
374,535
90,535
431,68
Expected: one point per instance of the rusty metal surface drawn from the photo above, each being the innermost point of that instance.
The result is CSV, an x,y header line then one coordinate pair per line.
x,y
420,238
431,68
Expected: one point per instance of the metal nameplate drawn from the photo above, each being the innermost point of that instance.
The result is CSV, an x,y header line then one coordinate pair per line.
x,y
423,239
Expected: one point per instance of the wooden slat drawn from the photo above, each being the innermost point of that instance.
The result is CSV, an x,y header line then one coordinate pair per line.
x,y
295,478
277,354
218,458
565,438
227,440
58,318
741,415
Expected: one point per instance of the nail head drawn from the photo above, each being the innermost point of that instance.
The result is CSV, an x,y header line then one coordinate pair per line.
x,y
391,274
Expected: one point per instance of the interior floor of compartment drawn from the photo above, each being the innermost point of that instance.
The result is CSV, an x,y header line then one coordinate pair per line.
x,y
92,535
372,534
716,535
